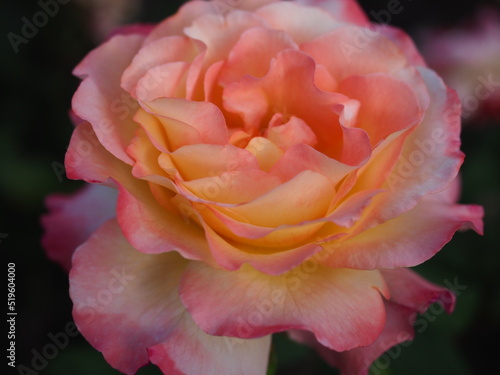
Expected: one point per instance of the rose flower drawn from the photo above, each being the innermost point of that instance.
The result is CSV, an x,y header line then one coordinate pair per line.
x,y
256,167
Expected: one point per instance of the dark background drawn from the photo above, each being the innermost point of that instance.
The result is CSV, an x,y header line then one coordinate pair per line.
x,y
37,86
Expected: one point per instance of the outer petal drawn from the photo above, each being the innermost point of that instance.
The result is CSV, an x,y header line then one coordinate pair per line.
x,y
342,10
430,158
343,308
176,24
191,351
377,118
126,304
88,160
349,50
250,44
73,218
398,328
137,28
404,42
101,101
301,23
154,229
165,50
410,294
409,289
407,240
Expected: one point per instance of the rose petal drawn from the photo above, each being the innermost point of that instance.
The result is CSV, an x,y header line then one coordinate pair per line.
x,y
409,294
293,132
342,10
398,328
203,160
351,50
378,119
404,43
160,52
154,229
238,64
409,289
204,117
392,244
73,218
138,28
127,306
184,17
232,256
265,151
301,23
342,307
163,81
303,157
289,86
220,34
101,101
287,204
88,160
430,158
214,355
235,187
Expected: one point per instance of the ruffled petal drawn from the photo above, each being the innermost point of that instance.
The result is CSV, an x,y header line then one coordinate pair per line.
x,y
204,117
287,204
184,17
301,157
190,351
220,33
231,256
406,240
204,160
100,99
73,218
351,50
409,289
88,160
250,44
301,23
153,228
343,308
162,51
409,294
378,119
398,328
430,157
127,306
404,43
289,89
342,10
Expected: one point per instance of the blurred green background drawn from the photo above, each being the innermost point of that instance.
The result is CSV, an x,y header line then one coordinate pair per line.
x,y
37,87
